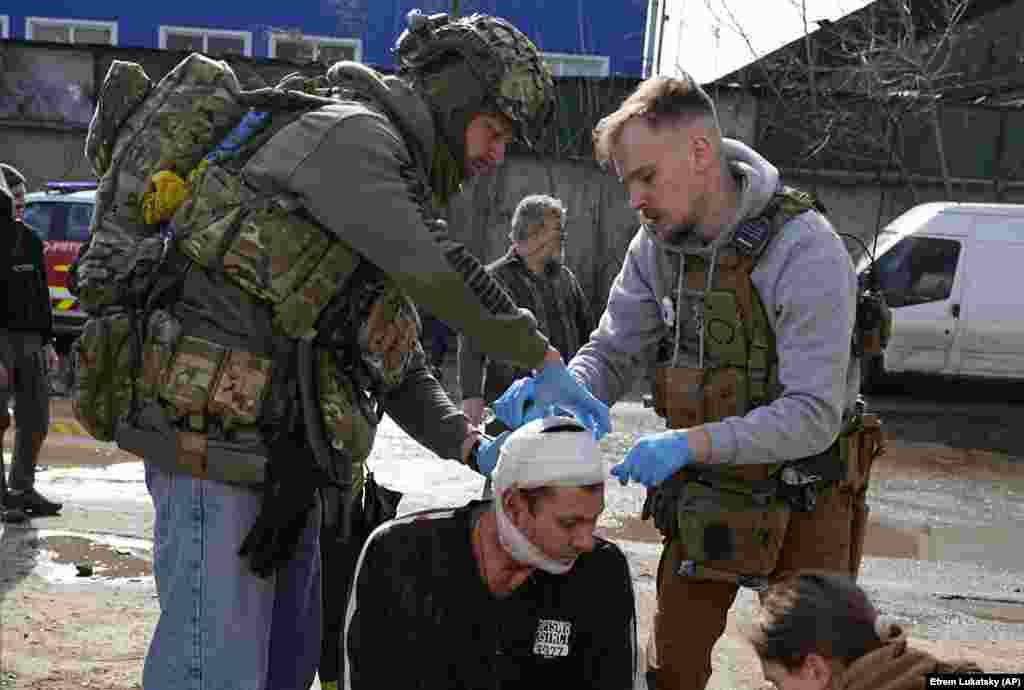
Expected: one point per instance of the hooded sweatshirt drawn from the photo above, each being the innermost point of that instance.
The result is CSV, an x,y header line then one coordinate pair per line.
x,y
806,281
896,666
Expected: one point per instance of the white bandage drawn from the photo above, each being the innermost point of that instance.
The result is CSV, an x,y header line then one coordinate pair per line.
x,y
534,456
538,455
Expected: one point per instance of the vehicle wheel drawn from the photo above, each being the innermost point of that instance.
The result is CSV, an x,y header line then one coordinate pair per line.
x,y
872,374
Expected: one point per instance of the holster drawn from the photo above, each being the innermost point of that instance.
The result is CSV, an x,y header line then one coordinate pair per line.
x,y
734,520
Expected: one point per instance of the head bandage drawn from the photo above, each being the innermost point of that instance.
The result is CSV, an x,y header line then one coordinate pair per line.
x,y
534,456
556,452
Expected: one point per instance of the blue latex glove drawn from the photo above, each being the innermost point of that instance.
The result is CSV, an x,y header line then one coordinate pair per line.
x,y
487,452
554,385
655,458
512,406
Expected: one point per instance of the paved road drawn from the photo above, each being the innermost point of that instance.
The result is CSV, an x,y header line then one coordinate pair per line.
x,y
963,414
954,516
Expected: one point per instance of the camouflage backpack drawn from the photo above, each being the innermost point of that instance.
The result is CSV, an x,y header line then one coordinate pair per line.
x,y
171,158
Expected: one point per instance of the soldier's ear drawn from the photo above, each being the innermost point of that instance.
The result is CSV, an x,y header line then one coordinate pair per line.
x,y
703,152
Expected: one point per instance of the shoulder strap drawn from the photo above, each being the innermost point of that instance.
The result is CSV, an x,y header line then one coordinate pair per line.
x,y
754,235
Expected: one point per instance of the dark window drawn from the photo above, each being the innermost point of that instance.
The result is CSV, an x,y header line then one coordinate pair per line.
x,y
918,270
225,45
41,217
185,42
79,217
331,53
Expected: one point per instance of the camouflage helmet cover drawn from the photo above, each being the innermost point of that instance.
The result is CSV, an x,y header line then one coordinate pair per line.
x,y
506,62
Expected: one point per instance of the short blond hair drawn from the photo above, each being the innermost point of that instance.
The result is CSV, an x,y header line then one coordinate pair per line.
x,y
660,101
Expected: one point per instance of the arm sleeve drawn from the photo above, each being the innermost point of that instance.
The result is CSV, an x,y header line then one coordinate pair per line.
x,y
47,333
354,175
611,657
368,642
422,408
814,294
626,335
472,364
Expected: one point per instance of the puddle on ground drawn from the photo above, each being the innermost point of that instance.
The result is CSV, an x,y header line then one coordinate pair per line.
x,y
67,557
88,558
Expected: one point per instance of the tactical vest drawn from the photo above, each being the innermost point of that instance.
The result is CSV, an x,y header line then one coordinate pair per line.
x,y
732,519
143,371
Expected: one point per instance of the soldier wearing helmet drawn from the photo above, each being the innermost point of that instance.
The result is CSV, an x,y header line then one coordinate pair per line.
x,y
369,170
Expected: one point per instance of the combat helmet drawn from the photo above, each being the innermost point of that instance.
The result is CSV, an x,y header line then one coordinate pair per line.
x,y
474,64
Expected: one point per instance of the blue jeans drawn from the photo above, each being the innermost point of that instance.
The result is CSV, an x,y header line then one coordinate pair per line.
x,y
221,627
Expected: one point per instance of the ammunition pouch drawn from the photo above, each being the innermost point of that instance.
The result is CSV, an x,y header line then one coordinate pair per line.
x,y
733,522
734,519
198,407
103,358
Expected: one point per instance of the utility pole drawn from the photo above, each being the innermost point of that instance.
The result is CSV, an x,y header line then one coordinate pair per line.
x,y
455,9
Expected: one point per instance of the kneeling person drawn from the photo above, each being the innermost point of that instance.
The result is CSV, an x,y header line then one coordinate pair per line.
x,y
517,592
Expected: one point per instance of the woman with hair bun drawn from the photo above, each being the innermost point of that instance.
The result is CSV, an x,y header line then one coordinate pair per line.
x,y
821,632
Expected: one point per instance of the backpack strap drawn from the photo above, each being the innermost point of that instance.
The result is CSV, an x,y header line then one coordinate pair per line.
x,y
753,235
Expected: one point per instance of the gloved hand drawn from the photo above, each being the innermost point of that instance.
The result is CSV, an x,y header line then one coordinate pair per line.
x,y
554,385
517,405
487,452
655,458
511,407
289,491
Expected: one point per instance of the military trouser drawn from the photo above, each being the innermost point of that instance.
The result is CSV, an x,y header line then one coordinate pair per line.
x,y
22,355
691,613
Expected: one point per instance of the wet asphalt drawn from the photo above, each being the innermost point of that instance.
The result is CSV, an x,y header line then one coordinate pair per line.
x,y
973,591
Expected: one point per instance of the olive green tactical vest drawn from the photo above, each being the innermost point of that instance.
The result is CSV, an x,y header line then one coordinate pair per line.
x,y
727,518
740,363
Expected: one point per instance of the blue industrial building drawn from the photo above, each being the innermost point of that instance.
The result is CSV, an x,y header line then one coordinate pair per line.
x,y
579,37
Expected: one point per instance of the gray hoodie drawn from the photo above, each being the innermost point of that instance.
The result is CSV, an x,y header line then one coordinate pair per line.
x,y
808,287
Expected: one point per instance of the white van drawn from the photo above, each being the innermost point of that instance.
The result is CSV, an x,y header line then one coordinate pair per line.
x,y
953,275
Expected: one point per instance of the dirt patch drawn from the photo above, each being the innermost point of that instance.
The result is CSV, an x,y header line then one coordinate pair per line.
x,y
96,638
932,462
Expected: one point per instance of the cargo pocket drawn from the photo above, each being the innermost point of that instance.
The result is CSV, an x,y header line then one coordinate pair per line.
x,y
390,337
237,395
678,396
730,531
192,375
104,369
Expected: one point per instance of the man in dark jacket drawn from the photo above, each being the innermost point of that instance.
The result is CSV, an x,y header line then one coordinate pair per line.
x,y
514,593
26,329
536,276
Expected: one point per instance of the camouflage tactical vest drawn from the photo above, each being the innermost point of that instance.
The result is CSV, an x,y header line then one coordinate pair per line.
x,y
731,519
135,354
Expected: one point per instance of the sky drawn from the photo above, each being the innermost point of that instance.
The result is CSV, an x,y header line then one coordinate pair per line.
x,y
710,38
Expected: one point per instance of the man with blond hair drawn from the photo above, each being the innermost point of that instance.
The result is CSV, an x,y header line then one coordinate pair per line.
x,y
739,298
